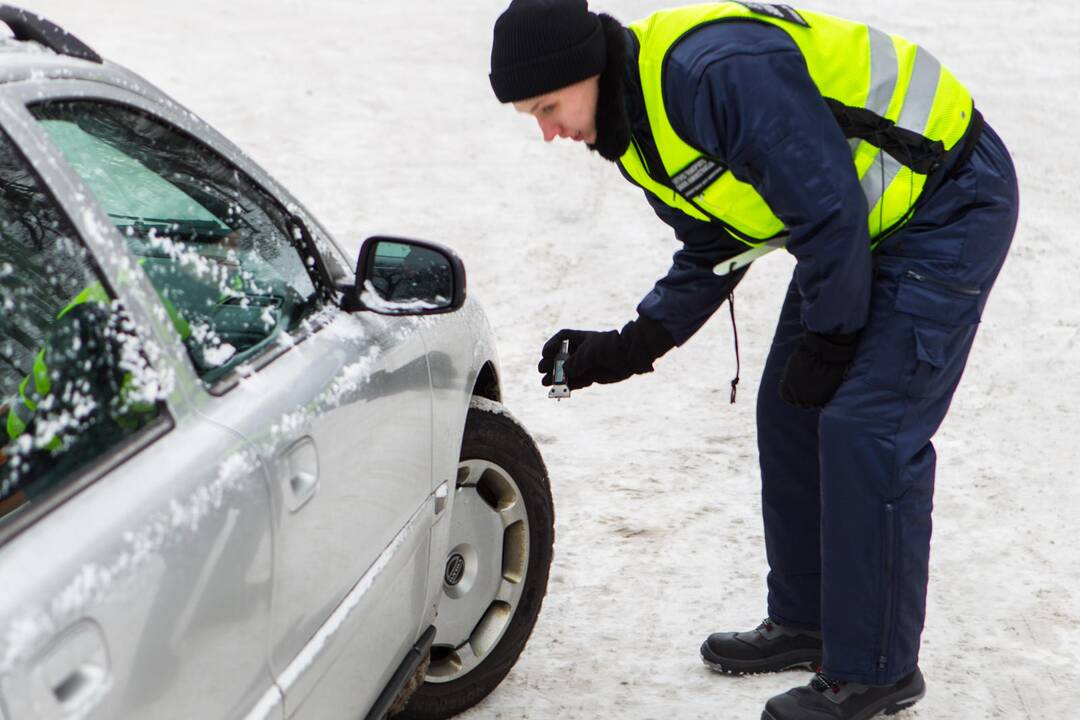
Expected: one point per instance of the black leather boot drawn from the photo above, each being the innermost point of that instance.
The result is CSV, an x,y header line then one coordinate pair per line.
x,y
825,699
767,648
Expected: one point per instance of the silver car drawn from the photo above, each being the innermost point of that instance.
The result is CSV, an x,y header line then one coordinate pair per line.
x,y
237,478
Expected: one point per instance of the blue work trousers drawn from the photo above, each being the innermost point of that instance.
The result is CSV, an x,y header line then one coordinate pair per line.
x,y
847,491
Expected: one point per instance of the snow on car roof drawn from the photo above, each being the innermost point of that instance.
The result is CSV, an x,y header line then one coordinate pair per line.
x,y
27,59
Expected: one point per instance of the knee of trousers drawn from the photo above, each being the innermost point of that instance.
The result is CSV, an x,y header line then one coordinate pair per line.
x,y
875,442
875,460
858,436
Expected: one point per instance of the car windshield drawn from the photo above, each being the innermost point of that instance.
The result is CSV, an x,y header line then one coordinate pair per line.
x,y
121,183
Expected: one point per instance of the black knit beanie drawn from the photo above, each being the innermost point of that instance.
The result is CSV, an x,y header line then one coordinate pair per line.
x,y
544,45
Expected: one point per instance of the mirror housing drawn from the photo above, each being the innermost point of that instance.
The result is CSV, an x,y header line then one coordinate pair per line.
x,y
401,276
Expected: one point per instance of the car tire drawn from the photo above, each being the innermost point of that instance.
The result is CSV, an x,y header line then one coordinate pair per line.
x,y
493,436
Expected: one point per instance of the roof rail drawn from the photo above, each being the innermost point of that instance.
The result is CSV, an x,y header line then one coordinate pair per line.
x,y
30,26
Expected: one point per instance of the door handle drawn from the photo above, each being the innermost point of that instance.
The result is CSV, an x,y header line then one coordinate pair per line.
x,y
303,486
79,685
68,679
300,465
76,669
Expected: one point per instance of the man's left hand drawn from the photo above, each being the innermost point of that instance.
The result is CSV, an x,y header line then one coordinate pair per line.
x,y
815,370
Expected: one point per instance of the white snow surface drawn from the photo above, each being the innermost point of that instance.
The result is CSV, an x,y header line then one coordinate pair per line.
x,y
379,116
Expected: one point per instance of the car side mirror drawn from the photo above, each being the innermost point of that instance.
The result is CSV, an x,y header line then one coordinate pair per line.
x,y
398,276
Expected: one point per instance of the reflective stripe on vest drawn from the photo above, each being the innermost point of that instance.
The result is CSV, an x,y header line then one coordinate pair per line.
x,y
887,84
914,116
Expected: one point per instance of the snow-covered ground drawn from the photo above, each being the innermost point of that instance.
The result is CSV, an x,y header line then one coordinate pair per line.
x,y
380,117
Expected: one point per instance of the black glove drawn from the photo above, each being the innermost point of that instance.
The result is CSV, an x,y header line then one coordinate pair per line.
x,y
816,368
609,356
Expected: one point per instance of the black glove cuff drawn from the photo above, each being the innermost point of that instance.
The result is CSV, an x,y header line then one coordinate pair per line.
x,y
643,341
836,349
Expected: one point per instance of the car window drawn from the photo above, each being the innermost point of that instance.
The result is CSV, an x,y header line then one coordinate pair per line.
x,y
74,381
228,262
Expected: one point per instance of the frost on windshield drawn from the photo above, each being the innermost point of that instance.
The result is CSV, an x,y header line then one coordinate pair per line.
x,y
230,266
75,377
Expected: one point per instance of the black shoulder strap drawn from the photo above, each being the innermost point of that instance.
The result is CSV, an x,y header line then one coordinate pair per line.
x,y
909,148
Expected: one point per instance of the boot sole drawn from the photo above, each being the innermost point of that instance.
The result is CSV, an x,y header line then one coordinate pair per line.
x,y
795,660
901,705
892,708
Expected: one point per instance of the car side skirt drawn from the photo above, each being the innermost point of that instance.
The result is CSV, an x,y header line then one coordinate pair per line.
x,y
404,673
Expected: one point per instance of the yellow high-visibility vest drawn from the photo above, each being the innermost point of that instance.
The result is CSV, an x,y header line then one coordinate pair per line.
x,y
885,92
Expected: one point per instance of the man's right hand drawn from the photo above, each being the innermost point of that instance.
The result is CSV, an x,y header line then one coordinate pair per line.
x,y
581,367
606,356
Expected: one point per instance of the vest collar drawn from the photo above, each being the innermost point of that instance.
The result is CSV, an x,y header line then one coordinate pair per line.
x,y
641,131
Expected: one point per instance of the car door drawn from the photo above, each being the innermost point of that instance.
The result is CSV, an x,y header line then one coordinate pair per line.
x,y
337,405
135,546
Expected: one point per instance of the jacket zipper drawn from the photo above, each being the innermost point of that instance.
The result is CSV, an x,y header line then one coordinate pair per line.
x,y
890,550
948,287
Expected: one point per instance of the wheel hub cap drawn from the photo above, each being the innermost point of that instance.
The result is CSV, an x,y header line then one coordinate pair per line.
x,y
485,569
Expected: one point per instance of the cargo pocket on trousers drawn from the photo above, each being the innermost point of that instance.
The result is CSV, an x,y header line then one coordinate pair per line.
x,y
945,317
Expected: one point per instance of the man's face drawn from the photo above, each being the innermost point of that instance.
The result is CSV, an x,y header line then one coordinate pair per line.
x,y
569,112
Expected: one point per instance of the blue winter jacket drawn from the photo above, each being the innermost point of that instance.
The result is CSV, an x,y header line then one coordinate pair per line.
x,y
740,91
